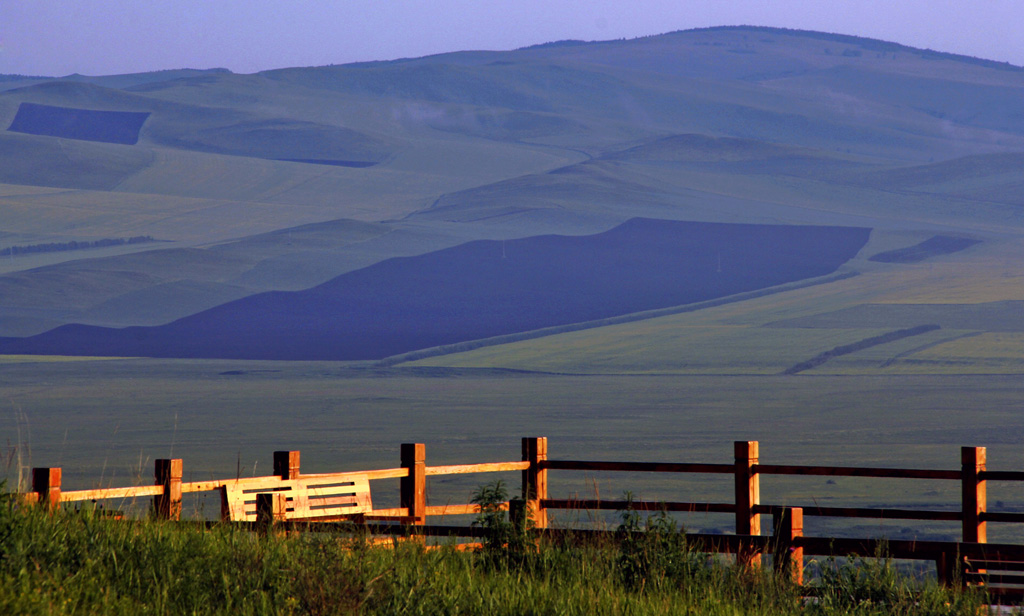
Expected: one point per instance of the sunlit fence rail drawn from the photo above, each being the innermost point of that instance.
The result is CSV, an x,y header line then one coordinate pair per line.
x,y
972,560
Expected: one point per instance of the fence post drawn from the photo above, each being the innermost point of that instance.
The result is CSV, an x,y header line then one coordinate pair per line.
x,y
286,464
748,496
949,570
46,483
789,557
168,474
973,461
271,508
535,479
517,513
414,487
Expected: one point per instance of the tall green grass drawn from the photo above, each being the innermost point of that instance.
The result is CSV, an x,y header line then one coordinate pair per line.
x,y
80,562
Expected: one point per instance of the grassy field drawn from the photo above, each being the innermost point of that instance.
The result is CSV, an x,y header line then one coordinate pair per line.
x,y
104,422
75,563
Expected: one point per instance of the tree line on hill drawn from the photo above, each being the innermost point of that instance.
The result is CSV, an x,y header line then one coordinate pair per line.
x,y
74,245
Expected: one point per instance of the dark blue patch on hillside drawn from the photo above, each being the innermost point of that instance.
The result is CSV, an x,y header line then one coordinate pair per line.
x,y
481,289
85,124
358,164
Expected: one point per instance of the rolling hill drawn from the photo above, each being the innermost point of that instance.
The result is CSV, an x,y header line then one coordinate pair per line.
x,y
297,180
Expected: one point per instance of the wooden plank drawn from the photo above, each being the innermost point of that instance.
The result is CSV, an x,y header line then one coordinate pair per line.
x,y
383,473
1003,475
238,503
997,565
393,530
270,509
995,578
1002,516
852,471
215,484
1015,595
241,482
306,499
46,483
489,467
912,549
701,542
747,483
619,505
400,519
413,487
470,509
535,479
287,464
319,498
640,467
871,512
973,491
106,493
730,544
788,556
387,473
394,512
1010,552
921,550
167,473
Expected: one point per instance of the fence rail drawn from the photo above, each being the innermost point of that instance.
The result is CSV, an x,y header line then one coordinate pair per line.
x,y
971,560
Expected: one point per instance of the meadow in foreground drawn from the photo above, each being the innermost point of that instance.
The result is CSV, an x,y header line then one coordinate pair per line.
x,y
80,562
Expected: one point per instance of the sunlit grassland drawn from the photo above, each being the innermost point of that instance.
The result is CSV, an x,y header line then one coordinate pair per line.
x,y
665,346
888,358
987,273
984,353
1007,346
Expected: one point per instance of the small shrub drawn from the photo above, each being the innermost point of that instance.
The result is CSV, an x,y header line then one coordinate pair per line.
x,y
655,551
507,542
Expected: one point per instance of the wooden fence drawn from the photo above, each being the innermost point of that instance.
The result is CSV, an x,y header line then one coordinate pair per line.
x,y
970,561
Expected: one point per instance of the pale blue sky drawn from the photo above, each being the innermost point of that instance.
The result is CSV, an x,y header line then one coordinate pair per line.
x,y
96,37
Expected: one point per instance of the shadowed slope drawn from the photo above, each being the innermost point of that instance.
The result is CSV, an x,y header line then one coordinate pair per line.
x,y
481,289
73,123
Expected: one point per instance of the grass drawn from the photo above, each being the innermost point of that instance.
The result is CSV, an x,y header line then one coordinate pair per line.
x,y
105,422
1003,346
78,562
664,345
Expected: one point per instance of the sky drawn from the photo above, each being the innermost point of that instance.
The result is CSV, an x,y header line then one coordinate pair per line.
x,y
104,37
